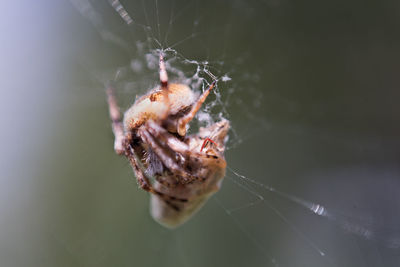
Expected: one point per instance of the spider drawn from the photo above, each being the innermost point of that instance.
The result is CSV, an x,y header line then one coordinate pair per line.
x,y
186,169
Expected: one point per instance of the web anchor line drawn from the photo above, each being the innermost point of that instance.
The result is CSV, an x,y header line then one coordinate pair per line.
x,y
280,214
345,222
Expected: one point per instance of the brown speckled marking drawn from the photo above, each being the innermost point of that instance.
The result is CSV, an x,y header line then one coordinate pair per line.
x,y
152,98
155,96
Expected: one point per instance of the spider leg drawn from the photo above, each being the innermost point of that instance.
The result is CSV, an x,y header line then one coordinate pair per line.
x,y
115,116
192,158
163,73
144,181
164,83
188,117
168,156
176,155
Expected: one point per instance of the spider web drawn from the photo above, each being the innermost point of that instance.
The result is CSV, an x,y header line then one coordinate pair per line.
x,y
196,54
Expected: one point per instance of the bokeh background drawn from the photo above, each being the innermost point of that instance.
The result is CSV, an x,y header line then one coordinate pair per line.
x,y
313,102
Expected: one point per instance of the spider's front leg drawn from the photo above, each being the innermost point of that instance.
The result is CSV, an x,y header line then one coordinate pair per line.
x,y
175,162
174,154
190,156
143,180
197,105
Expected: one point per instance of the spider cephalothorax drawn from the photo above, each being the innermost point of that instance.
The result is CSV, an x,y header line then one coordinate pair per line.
x,y
187,169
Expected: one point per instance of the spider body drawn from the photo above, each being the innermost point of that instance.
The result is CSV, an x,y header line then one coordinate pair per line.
x,y
153,137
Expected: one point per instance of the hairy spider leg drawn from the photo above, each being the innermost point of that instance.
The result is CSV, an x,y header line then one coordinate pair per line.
x,y
122,146
144,181
177,146
115,115
164,83
166,154
188,117
163,73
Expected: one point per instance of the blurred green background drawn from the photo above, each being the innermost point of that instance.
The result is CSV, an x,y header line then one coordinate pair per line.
x,y
313,103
